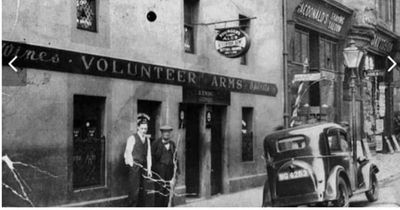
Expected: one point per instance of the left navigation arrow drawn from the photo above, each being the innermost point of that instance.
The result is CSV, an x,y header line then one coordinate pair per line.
x,y
10,64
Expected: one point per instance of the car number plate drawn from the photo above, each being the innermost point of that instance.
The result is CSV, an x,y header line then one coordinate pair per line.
x,y
293,175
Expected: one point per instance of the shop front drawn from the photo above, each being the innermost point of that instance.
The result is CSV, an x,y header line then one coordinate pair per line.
x,y
316,35
376,84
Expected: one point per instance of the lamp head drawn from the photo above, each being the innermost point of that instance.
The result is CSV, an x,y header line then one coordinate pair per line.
x,y
352,55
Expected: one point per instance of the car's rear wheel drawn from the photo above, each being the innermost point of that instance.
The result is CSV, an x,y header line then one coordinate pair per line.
x,y
373,193
343,195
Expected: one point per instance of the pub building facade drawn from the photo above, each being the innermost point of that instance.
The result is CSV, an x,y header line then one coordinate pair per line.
x,y
87,70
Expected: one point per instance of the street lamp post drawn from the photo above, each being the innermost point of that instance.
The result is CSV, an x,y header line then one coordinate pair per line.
x,y
352,57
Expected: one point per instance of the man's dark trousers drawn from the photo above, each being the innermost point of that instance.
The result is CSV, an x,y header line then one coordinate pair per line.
x,y
166,172
136,194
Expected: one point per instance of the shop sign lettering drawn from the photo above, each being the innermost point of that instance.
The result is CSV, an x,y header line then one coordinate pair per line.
x,y
36,57
382,43
207,96
322,15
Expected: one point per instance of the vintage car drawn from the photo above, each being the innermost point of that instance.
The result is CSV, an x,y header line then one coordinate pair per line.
x,y
316,165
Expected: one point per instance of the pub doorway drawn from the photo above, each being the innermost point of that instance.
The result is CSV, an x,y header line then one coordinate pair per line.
x,y
151,110
217,139
192,156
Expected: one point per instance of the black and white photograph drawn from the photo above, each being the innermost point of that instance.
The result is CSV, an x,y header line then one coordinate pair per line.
x,y
200,103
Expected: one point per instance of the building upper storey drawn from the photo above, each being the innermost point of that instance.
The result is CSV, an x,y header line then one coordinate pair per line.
x,y
374,12
176,33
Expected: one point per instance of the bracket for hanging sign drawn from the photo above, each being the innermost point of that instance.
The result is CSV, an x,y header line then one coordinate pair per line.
x,y
224,21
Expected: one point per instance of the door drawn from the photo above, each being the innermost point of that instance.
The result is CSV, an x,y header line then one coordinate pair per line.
x,y
152,110
340,150
216,149
192,173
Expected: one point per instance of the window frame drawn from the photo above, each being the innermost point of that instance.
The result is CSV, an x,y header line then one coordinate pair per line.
x,y
93,4
248,134
299,44
385,10
338,134
333,45
303,137
188,23
102,129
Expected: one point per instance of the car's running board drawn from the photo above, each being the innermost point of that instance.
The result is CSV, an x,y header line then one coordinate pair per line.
x,y
362,190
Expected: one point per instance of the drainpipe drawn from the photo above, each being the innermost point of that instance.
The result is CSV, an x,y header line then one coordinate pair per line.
x,y
286,104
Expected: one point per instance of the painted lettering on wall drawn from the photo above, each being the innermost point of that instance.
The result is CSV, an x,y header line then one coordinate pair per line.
x,y
382,43
36,57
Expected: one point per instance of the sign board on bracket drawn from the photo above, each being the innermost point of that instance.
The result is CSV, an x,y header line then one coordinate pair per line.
x,y
375,73
307,77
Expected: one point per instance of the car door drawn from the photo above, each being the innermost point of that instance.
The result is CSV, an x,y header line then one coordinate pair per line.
x,y
340,151
347,147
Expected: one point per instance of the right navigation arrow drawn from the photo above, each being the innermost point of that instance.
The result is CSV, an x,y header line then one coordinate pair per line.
x,y
394,63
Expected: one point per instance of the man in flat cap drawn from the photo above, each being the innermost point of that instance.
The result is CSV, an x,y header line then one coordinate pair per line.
x,y
163,150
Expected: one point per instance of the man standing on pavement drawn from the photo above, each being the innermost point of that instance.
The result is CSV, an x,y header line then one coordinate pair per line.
x,y
138,158
163,150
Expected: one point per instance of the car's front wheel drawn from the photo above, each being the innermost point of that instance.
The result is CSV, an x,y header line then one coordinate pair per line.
x,y
373,193
343,195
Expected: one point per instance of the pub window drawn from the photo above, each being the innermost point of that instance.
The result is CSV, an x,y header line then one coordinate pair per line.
x,y
244,25
190,15
300,46
327,54
247,134
385,8
88,142
86,15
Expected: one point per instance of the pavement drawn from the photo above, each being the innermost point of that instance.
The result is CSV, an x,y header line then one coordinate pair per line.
x,y
388,176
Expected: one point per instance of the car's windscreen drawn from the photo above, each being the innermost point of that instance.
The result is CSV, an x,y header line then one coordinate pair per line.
x,y
291,143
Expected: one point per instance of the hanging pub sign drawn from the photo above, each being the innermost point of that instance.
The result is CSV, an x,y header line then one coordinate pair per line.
x,y
232,42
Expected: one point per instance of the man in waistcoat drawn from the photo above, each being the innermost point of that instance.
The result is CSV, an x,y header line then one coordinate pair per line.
x,y
163,150
138,158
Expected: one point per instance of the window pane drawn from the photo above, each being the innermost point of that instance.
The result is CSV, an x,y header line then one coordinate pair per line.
x,y
304,47
333,66
188,42
322,54
190,16
88,142
292,143
86,14
247,134
328,54
297,47
187,13
344,144
380,8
